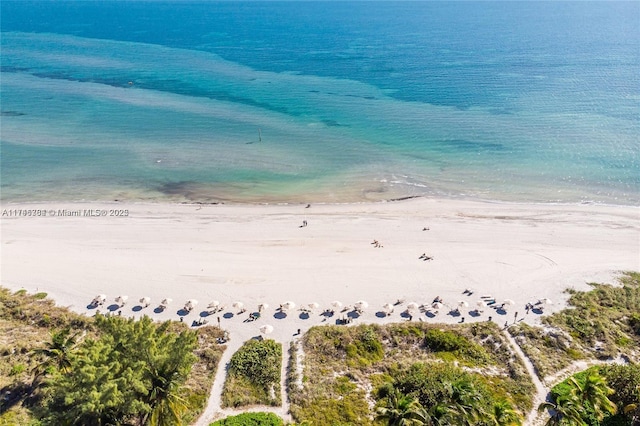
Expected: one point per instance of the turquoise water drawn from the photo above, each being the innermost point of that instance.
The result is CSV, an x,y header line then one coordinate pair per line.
x,y
306,101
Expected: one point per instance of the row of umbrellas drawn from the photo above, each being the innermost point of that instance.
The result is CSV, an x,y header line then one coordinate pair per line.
x,y
289,305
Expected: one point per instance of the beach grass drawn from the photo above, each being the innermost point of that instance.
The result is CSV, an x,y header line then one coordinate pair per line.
x,y
345,368
598,324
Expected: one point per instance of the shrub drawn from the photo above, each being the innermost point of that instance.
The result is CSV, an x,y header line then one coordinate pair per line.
x,y
250,419
259,361
449,341
634,323
254,375
366,348
17,369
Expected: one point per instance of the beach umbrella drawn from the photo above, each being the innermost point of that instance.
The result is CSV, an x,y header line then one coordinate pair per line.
x,y
288,305
412,306
437,305
121,299
213,305
262,307
546,301
145,301
314,305
336,304
509,302
191,303
361,304
101,297
388,307
463,304
238,305
166,301
266,329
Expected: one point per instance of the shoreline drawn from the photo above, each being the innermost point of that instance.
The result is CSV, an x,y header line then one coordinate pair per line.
x,y
266,201
257,253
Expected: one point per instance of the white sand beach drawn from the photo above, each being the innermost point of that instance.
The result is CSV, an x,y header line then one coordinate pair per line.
x,y
261,254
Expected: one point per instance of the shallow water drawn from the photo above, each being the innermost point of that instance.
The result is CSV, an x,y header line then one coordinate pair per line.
x,y
335,102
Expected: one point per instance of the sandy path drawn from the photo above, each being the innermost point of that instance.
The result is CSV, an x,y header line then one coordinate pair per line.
x,y
541,389
213,410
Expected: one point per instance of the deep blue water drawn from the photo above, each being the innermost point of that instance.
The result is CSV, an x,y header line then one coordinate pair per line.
x,y
528,101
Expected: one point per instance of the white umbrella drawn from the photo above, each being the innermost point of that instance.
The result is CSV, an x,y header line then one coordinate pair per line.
x,y
266,329
314,305
336,304
238,305
121,299
101,297
166,301
262,307
437,305
288,305
463,304
388,307
191,303
509,302
547,301
145,301
361,304
412,306
213,305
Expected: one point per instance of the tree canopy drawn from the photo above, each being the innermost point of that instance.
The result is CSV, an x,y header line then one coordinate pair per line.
x,y
131,373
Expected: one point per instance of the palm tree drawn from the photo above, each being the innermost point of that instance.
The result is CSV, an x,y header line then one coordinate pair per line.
x,y
56,353
439,414
166,378
595,392
503,414
402,410
564,411
464,402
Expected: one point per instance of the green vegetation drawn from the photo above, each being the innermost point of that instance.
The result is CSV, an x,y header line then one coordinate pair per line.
x,y
447,341
57,367
250,419
412,373
602,323
131,374
601,395
402,410
450,395
254,375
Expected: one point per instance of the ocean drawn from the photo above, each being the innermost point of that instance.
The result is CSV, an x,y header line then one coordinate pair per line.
x,y
286,102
